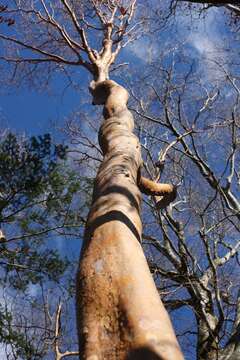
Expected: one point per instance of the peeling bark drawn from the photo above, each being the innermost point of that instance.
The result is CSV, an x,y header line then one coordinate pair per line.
x,y
120,314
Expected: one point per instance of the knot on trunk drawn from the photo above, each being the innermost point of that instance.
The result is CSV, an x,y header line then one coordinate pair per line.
x,y
110,94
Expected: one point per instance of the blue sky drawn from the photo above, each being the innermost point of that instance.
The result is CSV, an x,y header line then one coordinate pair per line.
x,y
35,112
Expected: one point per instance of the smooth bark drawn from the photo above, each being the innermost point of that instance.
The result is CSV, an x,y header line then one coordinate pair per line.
x,y
120,314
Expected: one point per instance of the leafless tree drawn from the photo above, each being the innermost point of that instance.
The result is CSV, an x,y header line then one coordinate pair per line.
x,y
193,139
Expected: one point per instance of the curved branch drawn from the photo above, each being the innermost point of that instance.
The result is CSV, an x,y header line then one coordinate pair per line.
x,y
166,191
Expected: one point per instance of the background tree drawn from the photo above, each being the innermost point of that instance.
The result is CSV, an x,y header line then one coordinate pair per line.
x,y
36,206
233,6
189,126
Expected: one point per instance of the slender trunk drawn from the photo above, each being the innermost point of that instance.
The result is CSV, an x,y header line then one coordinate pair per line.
x,y
120,315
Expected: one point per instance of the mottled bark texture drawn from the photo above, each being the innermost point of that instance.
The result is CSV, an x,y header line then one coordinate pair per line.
x,y
120,314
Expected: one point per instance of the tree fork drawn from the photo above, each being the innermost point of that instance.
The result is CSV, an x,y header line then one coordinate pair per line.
x,y
119,311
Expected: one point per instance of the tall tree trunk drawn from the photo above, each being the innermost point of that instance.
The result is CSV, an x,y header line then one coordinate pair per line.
x,y
120,315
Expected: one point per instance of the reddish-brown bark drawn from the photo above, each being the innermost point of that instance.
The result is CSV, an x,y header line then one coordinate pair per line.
x,y
120,314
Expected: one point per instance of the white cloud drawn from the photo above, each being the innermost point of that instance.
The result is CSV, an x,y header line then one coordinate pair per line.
x,y
202,33
207,39
141,49
203,45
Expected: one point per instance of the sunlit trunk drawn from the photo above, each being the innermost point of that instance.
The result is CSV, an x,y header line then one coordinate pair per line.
x,y
120,314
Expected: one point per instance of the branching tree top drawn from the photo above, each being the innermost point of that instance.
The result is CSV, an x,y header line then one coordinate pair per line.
x,y
89,33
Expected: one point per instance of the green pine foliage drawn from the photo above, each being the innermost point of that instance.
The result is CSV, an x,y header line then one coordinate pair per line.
x,y
42,198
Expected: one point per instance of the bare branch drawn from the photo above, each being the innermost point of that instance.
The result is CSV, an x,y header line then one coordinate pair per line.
x,y
58,330
80,30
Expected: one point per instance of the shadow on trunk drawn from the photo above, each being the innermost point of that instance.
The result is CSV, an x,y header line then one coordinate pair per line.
x,y
144,353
